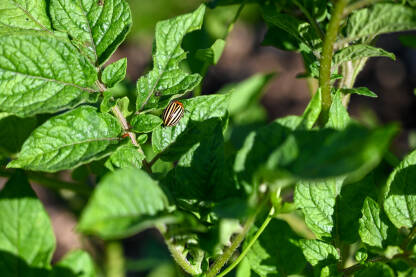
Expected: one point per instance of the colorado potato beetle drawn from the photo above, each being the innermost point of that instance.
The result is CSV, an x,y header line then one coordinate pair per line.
x,y
173,113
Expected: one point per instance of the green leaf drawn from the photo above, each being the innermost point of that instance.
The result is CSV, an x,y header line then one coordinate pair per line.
x,y
123,104
281,39
247,92
317,201
378,19
75,263
354,150
310,154
312,111
96,27
213,54
14,131
69,140
26,230
330,271
137,202
359,51
108,102
350,203
40,74
167,78
300,30
400,197
317,8
373,228
219,235
360,91
276,252
126,155
114,73
199,109
361,255
24,14
375,270
141,139
145,122
338,115
202,172
243,269
318,252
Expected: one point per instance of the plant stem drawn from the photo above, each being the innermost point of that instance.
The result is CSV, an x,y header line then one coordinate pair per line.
x,y
177,253
125,125
326,59
409,239
223,259
126,128
313,22
358,5
52,183
249,245
181,260
114,259
155,158
350,270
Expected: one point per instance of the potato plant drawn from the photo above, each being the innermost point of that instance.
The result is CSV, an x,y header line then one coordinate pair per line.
x,y
223,197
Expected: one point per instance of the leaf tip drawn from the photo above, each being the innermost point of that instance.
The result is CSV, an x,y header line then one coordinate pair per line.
x,y
14,164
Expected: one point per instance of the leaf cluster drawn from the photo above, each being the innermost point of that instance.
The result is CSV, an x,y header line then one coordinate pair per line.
x,y
206,183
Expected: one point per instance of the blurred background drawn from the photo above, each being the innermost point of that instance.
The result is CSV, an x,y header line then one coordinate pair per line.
x,y
393,81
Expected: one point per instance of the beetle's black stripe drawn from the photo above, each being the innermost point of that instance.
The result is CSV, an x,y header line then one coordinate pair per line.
x,y
176,116
172,114
167,113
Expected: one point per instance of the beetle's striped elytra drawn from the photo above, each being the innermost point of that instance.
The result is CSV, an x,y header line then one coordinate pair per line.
x,y
173,113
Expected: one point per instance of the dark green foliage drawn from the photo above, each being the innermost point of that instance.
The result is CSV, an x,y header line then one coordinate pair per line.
x,y
206,183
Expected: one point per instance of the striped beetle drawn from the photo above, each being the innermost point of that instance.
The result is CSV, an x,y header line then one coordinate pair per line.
x,y
173,113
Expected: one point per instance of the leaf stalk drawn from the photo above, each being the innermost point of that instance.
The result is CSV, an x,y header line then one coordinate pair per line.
x,y
358,5
250,244
223,259
313,22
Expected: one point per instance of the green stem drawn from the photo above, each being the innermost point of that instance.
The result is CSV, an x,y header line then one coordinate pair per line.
x,y
358,5
114,259
181,260
52,183
177,253
126,127
326,59
409,239
313,22
352,269
223,259
250,244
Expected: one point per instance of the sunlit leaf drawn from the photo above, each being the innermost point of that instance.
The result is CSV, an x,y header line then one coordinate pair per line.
x,y
167,78
41,74
68,140
125,202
